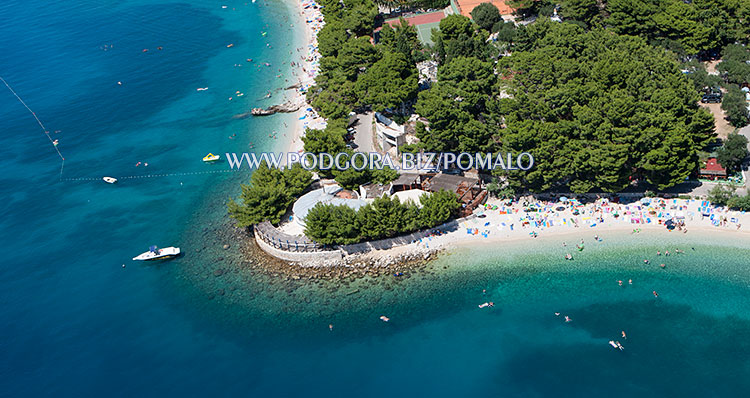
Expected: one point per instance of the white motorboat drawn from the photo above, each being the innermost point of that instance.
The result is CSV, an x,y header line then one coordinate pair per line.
x,y
154,253
110,180
211,158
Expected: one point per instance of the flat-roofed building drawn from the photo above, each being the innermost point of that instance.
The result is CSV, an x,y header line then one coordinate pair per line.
x,y
390,133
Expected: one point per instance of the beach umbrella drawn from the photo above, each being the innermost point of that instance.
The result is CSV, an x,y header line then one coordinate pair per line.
x,y
563,199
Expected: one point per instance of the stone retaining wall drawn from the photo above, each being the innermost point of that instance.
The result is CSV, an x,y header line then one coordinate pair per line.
x,y
317,256
323,256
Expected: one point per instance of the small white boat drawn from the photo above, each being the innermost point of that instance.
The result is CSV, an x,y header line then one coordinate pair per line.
x,y
110,180
384,318
616,344
154,253
201,89
211,158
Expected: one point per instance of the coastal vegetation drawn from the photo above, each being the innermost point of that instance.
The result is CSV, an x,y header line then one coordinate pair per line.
x,y
733,153
269,194
385,217
330,140
604,100
596,110
735,69
356,74
726,196
486,15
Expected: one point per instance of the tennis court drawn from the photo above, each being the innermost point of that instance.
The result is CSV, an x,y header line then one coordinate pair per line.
x,y
424,24
424,32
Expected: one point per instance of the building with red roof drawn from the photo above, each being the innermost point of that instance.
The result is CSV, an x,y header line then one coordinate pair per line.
x,y
713,170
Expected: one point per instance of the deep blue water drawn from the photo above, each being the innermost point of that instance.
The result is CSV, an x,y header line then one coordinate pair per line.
x,y
75,323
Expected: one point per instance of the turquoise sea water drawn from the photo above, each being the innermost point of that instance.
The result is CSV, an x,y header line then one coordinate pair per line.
x,y
75,323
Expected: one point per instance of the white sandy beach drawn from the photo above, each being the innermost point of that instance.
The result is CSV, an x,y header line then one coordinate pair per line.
x,y
499,224
305,69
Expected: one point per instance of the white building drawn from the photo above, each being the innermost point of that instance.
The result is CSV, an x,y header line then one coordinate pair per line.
x,y
329,194
390,133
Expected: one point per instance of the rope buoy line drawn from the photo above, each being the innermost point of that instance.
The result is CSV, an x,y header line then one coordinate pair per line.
x,y
153,175
46,132
62,158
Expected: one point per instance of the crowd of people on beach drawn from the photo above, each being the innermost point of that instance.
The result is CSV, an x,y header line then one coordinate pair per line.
x,y
536,216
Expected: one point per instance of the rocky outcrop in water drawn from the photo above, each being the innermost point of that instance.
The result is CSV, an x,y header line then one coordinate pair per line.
x,y
287,107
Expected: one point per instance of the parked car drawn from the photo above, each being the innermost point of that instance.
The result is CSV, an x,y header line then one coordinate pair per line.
x,y
714,98
351,145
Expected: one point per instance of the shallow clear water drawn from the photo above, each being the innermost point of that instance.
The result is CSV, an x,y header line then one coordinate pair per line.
x,y
76,323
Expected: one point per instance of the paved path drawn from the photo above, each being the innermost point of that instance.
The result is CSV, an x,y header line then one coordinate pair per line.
x,y
363,136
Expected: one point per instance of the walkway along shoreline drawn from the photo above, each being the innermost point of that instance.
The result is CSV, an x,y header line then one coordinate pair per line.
x,y
309,256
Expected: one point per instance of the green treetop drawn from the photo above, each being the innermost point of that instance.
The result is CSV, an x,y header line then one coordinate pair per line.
x,y
486,15
269,194
733,153
388,83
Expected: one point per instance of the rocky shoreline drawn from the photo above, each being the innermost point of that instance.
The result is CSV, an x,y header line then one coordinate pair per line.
x,y
240,242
